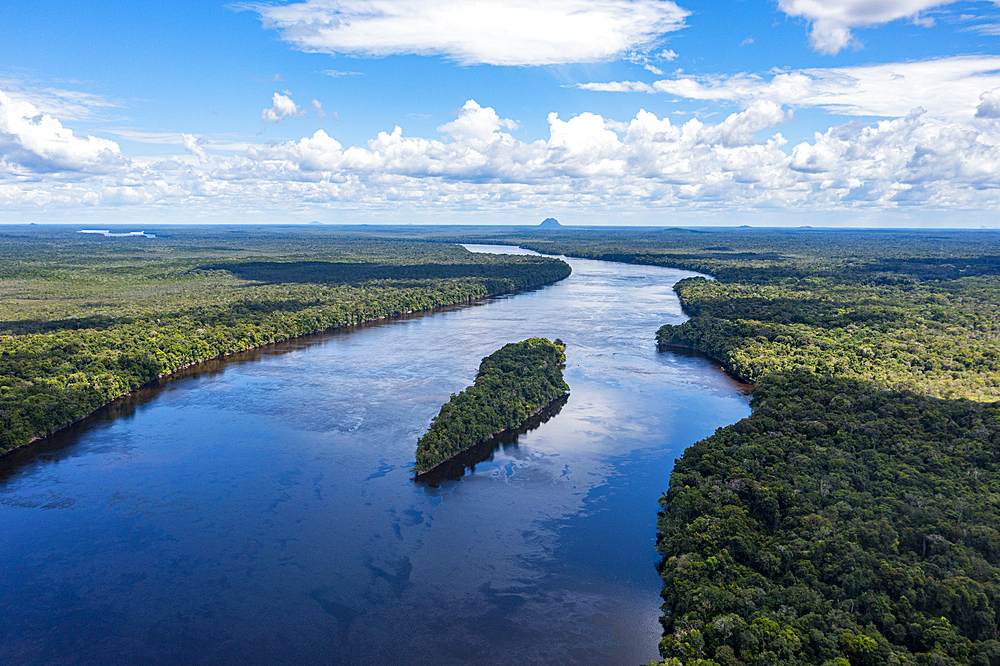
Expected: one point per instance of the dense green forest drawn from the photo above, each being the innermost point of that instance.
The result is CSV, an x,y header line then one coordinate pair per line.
x,y
513,383
86,318
854,518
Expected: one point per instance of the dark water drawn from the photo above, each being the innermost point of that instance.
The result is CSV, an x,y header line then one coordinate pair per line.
x,y
261,511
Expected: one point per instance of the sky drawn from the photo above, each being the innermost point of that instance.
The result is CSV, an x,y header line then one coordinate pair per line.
x,y
596,112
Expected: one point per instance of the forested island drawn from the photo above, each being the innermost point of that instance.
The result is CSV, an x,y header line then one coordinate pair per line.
x,y
513,384
87,318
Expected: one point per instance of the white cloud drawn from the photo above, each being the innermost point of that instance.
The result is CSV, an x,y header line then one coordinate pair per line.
x,y
946,87
514,32
832,20
990,29
989,104
477,126
194,145
619,86
282,107
739,128
36,141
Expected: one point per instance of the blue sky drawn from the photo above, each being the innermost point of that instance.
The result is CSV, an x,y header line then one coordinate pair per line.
x,y
844,112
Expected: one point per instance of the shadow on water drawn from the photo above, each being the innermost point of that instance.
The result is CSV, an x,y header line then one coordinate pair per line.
x,y
740,384
455,468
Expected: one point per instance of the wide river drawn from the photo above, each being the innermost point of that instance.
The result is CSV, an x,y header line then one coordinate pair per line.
x,y
261,509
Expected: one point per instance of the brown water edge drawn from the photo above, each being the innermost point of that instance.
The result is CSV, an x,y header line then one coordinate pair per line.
x,y
455,467
125,404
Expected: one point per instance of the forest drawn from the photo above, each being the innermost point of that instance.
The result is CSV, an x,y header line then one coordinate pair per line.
x,y
854,517
85,318
512,384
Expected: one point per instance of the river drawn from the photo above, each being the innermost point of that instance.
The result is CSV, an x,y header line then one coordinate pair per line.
x,y
261,509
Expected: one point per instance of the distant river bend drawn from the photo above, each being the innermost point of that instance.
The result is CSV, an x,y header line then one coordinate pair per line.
x,y
260,509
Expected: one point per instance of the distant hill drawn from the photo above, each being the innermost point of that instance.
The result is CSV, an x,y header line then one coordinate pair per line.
x,y
550,223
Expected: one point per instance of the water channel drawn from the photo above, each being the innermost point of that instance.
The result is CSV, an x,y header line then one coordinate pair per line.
x,y
261,510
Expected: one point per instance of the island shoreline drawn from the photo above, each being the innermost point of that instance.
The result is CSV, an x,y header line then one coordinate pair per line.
x,y
440,471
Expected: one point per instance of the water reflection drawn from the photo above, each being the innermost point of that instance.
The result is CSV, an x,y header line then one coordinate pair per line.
x,y
466,461
262,510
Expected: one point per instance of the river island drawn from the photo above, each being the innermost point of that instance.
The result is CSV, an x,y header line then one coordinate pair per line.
x,y
513,384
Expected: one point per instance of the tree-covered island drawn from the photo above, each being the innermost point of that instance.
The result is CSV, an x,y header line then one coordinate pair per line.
x,y
513,383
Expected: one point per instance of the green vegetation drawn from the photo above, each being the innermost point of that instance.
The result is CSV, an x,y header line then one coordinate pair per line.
x,y
85,319
854,518
512,384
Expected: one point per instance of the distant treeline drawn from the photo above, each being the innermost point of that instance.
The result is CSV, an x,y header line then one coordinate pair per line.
x,y
86,320
854,517
512,384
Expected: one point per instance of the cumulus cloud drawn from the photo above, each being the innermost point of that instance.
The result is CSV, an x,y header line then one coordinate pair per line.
x,y
587,161
477,126
194,145
514,32
282,107
945,87
36,141
989,104
831,20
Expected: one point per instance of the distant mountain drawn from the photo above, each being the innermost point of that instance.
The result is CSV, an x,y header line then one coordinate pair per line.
x,y
550,223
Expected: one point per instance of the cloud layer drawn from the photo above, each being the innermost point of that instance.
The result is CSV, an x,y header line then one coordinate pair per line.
x,y
514,32
587,163
945,87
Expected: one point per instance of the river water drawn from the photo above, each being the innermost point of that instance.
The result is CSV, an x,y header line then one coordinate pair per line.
x,y
261,510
